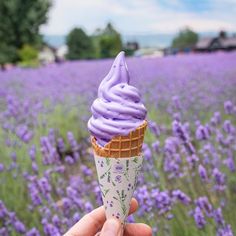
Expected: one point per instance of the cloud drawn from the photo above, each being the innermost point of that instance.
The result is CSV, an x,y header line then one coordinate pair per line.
x,y
139,16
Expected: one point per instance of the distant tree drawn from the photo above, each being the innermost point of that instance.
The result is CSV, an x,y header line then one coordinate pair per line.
x,y
186,38
7,54
110,42
20,21
222,34
80,45
130,48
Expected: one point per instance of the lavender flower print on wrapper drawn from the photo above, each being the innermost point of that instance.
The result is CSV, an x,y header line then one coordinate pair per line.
x,y
118,178
118,168
117,183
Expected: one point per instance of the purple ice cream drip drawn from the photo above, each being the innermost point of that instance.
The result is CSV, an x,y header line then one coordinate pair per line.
x,y
118,109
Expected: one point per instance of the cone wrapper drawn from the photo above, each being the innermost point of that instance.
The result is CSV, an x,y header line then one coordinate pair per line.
x,y
117,179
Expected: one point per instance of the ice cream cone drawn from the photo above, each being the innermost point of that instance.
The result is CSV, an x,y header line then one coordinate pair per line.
x,y
118,164
122,146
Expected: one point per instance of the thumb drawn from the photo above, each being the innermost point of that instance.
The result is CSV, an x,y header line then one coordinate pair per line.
x,y
112,227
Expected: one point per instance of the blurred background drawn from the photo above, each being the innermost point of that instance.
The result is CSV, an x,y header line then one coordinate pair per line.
x,y
45,31
181,56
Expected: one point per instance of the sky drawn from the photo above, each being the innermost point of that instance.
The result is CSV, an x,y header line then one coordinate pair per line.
x,y
141,16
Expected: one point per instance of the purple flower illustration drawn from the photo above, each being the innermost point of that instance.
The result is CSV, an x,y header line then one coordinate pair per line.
x,y
117,215
118,168
118,179
129,186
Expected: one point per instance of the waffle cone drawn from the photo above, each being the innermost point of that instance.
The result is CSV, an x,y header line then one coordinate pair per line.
x,y
122,146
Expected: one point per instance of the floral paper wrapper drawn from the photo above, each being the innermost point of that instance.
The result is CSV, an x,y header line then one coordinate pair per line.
x,y
117,179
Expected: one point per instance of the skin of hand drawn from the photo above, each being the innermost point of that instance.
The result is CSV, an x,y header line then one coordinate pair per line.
x,y
95,222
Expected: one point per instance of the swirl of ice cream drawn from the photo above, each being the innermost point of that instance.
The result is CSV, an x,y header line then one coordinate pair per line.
x,y
118,109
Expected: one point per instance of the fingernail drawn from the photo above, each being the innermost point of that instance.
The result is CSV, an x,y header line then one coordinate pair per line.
x,y
113,227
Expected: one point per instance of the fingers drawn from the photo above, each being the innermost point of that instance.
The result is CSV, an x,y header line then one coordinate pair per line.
x,y
133,206
112,227
137,230
91,223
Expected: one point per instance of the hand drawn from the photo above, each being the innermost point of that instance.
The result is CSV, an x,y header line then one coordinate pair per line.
x,y
95,221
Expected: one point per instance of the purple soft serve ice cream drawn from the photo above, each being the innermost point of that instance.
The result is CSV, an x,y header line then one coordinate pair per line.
x,y
118,109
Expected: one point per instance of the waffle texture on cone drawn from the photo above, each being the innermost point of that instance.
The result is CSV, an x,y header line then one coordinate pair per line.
x,y
122,146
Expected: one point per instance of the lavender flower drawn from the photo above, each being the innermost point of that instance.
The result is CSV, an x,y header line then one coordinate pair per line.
x,y
180,132
86,170
76,217
61,145
177,117
228,106
219,179
156,146
145,199
147,153
154,128
69,160
50,230
13,157
162,200
204,205
1,167
218,217
4,231
171,145
199,218
227,127
35,167
72,141
44,186
33,232
217,117
182,197
202,173
225,231
56,221
192,160
229,162
32,153
88,206
176,102
19,226
202,133
34,194
3,210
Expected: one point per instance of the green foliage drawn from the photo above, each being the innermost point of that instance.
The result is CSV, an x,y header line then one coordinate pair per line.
x,y
28,53
129,52
79,44
185,39
7,53
19,24
28,56
104,43
110,43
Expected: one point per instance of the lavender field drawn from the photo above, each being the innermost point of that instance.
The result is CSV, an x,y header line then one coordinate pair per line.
x,y
188,181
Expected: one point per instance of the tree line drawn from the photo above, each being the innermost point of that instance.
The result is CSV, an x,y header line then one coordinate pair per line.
x,y
20,38
104,43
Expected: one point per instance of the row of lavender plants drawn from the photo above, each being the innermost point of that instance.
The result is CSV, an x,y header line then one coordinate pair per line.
x,y
188,182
